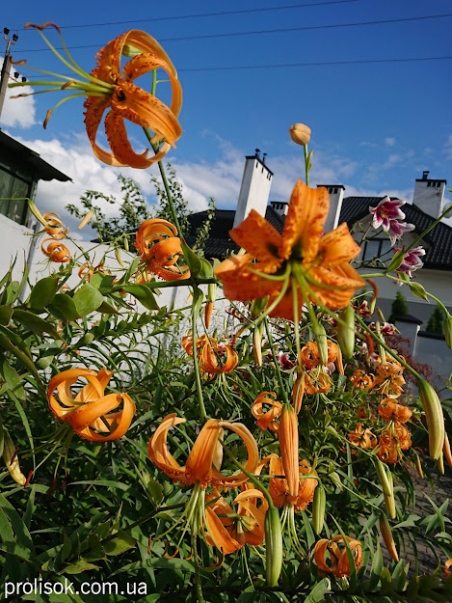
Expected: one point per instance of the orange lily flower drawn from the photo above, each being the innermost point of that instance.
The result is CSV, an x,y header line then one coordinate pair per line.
x,y
447,565
331,557
55,227
390,410
391,443
279,488
56,251
310,355
316,381
126,100
89,412
202,463
110,87
214,357
317,266
363,438
160,248
267,419
230,530
362,380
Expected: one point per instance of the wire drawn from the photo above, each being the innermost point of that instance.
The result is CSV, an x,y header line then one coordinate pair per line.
x,y
305,64
267,31
198,15
315,64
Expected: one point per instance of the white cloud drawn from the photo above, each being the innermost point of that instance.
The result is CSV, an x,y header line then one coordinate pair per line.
x,y
390,141
448,147
18,112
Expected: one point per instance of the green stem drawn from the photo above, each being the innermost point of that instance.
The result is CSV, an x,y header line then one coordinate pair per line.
x,y
253,479
198,384
380,342
277,367
307,163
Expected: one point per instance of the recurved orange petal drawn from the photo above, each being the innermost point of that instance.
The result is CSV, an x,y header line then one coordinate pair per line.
x,y
159,453
217,532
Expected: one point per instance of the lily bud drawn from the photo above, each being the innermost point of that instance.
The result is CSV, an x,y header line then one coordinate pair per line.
x,y
322,342
435,418
346,332
385,478
447,330
386,534
273,546
446,450
12,461
300,134
288,444
257,344
318,509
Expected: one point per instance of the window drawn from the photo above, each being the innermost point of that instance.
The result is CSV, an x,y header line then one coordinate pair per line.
x,y
14,189
375,248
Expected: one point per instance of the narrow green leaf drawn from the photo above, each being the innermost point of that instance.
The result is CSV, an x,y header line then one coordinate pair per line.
x,y
35,323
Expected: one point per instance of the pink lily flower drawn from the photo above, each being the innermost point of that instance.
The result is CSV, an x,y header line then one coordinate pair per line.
x,y
386,211
398,229
411,260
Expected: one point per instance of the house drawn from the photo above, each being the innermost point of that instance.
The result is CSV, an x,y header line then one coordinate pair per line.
x,y
20,171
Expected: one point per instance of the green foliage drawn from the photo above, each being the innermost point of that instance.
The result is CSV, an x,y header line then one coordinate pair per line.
x,y
203,232
399,307
435,322
163,206
133,210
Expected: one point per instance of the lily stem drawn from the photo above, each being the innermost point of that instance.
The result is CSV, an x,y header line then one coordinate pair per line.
x,y
277,367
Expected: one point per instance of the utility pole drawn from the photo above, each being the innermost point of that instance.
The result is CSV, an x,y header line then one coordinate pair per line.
x,y
6,68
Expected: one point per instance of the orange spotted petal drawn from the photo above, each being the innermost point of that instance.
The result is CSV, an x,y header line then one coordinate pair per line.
x,y
144,109
338,246
303,227
150,231
119,422
233,481
56,251
266,419
159,453
240,284
334,287
217,532
260,239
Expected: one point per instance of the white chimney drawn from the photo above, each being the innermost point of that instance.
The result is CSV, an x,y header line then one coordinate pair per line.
x,y
255,188
336,192
429,195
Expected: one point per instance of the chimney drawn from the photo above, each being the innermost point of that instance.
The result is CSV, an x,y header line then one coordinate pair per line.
x,y
255,188
336,192
280,207
429,195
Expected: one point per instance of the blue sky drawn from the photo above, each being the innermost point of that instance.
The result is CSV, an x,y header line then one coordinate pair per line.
x,y
249,71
